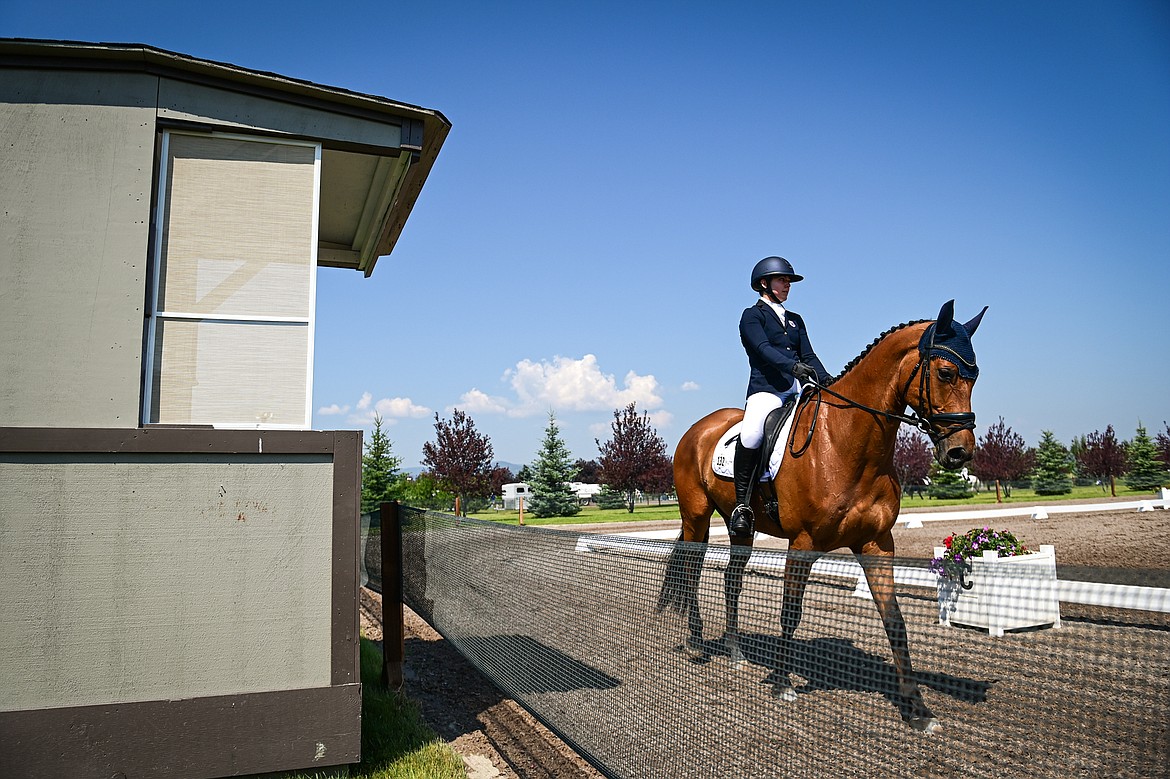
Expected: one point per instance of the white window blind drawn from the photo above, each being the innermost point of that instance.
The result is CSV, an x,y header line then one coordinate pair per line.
x,y
231,325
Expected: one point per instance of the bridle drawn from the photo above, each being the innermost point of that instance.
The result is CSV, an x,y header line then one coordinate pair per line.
x,y
937,425
950,422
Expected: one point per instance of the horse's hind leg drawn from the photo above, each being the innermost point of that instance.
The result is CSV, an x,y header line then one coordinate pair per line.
x,y
680,586
685,566
741,550
680,590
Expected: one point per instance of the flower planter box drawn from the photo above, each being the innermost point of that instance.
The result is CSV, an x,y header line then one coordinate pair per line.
x,y
1002,593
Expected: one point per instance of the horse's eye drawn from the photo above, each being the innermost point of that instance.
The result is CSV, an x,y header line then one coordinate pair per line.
x,y
946,374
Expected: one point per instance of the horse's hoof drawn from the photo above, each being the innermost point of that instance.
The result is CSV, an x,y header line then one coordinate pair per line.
x,y
926,725
693,649
786,694
736,663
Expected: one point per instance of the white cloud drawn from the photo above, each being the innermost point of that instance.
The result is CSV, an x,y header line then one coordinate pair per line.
x,y
690,386
390,409
326,411
401,408
661,419
602,431
475,401
565,384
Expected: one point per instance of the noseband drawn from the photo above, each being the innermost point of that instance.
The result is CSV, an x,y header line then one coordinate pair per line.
x,y
938,425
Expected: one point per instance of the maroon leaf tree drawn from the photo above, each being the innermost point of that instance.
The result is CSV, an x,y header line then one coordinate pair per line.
x,y
588,471
1102,457
499,476
660,479
1162,444
635,457
911,457
460,458
1002,456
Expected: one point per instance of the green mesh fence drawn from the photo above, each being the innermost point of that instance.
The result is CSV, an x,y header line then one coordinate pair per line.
x,y
567,624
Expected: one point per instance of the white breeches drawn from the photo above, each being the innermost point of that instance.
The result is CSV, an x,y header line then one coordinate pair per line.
x,y
759,405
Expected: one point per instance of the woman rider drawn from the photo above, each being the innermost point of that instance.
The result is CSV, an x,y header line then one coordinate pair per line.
x,y
780,357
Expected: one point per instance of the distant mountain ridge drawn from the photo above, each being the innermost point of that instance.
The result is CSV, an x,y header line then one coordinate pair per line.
x,y
415,470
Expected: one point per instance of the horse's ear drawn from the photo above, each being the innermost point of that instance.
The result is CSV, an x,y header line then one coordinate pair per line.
x,y
946,315
974,323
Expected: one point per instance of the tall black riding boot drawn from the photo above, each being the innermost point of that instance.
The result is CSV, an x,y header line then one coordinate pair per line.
x,y
744,472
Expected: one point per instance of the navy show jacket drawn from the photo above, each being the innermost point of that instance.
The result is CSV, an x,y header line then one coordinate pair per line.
x,y
773,347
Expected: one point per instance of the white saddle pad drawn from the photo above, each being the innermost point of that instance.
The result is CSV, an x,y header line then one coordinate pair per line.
x,y
723,461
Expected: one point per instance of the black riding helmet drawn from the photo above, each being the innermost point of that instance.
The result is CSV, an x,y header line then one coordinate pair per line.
x,y
772,266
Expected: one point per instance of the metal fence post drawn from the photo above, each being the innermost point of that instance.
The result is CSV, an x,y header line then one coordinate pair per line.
x,y
393,635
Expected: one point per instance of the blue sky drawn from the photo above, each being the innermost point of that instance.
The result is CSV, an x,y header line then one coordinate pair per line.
x,y
615,169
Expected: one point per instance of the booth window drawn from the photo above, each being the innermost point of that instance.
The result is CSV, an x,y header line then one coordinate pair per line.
x,y
230,331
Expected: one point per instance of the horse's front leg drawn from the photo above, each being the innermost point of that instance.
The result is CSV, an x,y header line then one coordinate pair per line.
x,y
741,550
797,568
877,560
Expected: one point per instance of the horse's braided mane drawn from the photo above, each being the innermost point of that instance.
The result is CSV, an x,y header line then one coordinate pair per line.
x,y
874,343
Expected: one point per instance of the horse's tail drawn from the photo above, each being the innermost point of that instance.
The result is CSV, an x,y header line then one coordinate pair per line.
x,y
681,582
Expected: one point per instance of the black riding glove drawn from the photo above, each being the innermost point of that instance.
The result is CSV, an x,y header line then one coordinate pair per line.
x,y
803,372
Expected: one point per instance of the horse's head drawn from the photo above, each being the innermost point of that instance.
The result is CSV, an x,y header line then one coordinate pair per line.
x,y
946,373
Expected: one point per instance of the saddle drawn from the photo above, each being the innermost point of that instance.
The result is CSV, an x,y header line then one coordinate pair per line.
x,y
776,430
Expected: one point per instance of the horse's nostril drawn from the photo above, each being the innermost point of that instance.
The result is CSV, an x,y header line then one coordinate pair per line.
x,y
957,455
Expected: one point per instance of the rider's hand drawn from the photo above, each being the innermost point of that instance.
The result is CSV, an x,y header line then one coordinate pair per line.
x,y
803,372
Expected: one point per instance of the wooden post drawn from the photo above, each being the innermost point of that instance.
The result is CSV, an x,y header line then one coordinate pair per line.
x,y
458,512
520,503
393,632
997,498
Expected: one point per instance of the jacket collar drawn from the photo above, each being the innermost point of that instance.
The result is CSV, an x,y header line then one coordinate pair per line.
x,y
768,307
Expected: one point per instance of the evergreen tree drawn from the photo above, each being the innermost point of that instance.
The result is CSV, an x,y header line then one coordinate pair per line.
x,y
1078,447
1146,471
551,474
379,470
946,484
426,492
610,498
1054,466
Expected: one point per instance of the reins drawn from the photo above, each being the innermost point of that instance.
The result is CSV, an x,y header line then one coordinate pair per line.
x,y
816,395
951,422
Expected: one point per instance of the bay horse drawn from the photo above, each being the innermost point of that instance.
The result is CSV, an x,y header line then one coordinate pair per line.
x,y
837,486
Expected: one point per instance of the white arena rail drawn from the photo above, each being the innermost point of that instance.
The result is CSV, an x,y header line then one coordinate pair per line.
x,y
913,520
1088,593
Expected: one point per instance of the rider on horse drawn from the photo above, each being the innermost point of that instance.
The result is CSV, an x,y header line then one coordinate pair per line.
x,y
780,357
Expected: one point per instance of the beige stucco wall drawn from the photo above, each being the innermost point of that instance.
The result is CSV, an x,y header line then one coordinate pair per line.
x,y
79,157
78,160
155,577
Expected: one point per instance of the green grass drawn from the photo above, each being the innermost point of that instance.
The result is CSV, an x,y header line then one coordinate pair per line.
x,y
396,742
589,515
669,511
1029,496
